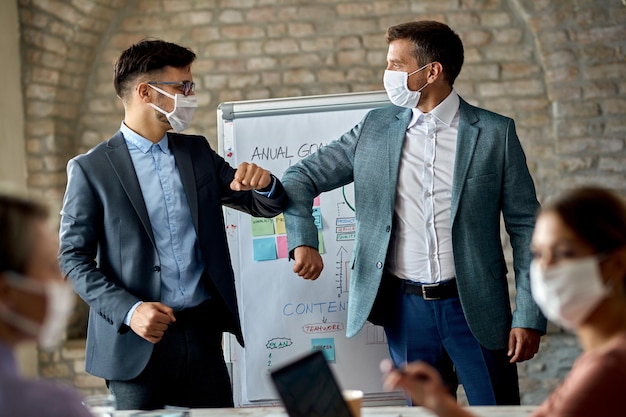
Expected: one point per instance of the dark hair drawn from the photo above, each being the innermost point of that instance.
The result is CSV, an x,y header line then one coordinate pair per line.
x,y
146,57
18,215
434,42
595,215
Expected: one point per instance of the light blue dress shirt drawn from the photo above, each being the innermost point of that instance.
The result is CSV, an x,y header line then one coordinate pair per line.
x,y
171,221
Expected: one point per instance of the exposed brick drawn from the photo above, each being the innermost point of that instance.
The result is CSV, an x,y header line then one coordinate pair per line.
x,y
354,9
612,164
260,14
173,5
510,70
502,53
300,29
586,145
193,18
481,72
351,57
244,81
261,63
602,35
298,76
603,71
576,164
463,19
553,39
285,46
429,6
578,109
614,106
317,44
476,37
495,19
508,35
299,60
512,88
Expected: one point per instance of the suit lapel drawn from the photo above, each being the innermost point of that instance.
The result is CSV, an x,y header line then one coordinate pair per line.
x,y
122,164
395,141
465,146
184,163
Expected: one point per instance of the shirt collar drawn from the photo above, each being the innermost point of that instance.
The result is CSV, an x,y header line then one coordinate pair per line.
x,y
142,143
444,112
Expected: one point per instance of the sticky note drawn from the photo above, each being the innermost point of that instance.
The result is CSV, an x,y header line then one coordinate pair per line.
x,y
262,226
316,201
317,216
282,247
279,223
326,345
320,247
264,249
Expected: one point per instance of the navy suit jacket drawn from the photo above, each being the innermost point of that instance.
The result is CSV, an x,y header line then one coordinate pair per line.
x,y
490,180
108,250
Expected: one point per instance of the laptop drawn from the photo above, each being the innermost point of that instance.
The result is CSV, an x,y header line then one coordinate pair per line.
x,y
308,388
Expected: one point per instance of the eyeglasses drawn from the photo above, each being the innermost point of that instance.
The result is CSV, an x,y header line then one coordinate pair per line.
x,y
188,86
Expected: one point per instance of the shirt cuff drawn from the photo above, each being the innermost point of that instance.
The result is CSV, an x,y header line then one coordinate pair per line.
x,y
130,313
269,192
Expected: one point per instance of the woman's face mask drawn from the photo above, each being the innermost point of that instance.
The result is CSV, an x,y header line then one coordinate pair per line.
x,y
59,300
567,293
184,108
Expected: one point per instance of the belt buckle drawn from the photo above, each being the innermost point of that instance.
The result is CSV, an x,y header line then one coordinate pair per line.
x,y
426,297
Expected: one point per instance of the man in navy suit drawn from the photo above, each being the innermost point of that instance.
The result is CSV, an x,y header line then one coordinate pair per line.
x,y
143,240
432,177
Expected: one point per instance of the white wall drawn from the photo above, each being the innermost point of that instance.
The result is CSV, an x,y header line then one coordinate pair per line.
x,y
12,151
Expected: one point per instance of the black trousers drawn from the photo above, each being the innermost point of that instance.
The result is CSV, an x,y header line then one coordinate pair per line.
x,y
186,369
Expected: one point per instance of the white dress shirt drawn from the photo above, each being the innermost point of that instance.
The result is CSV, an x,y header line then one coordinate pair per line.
x,y
421,241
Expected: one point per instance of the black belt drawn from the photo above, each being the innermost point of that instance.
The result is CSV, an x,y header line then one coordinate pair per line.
x,y
438,291
199,312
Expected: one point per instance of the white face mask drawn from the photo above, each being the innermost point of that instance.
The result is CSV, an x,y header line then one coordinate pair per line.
x,y
568,293
396,85
60,301
184,107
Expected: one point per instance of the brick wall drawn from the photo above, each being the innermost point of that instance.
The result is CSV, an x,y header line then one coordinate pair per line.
x,y
556,67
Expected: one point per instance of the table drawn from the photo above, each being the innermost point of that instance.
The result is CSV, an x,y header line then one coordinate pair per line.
x,y
387,411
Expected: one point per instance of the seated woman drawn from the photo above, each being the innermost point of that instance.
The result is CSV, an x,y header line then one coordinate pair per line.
x,y
35,303
578,280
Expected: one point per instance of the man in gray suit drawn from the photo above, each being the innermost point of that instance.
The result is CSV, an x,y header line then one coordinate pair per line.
x,y
143,240
432,176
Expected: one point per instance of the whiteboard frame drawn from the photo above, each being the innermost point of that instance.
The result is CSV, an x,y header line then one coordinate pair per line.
x,y
227,113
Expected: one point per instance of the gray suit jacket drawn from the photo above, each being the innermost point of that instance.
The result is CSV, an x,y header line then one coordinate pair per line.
x,y
108,250
490,178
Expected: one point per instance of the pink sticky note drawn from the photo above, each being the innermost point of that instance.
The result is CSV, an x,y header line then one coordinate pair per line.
x,y
281,246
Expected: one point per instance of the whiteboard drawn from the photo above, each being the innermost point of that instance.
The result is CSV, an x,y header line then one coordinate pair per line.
x,y
284,316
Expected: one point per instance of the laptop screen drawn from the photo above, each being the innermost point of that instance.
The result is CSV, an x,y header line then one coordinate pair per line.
x,y
308,388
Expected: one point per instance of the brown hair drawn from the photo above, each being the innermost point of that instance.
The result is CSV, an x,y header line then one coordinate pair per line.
x,y
17,218
147,57
595,215
433,42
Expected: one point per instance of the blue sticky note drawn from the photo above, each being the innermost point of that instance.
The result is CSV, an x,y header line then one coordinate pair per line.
x,y
326,345
264,249
317,217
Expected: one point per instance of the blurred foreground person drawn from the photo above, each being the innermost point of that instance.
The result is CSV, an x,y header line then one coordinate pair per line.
x,y
578,280
35,303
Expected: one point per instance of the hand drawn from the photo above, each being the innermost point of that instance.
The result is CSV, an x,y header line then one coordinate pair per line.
x,y
308,262
523,344
422,383
250,177
151,320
